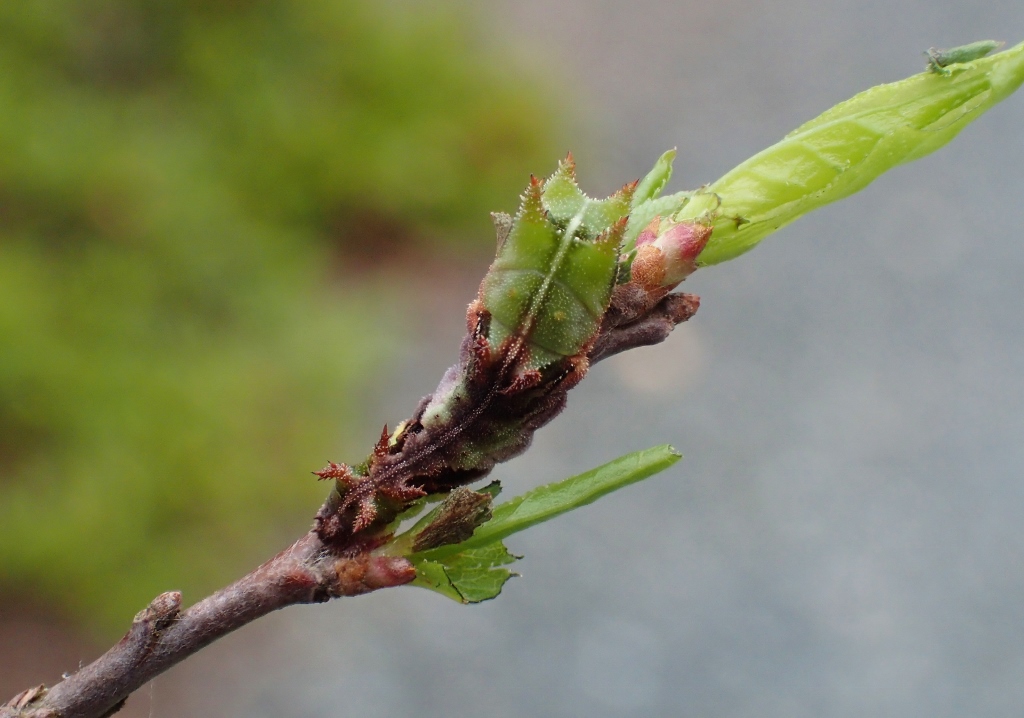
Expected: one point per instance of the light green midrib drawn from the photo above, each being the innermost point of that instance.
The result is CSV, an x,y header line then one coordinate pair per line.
x,y
542,292
861,120
559,283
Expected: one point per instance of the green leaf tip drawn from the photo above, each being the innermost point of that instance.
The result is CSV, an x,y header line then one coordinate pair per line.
x,y
473,570
654,182
845,148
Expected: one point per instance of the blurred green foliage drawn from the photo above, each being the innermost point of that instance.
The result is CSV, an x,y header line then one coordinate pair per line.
x,y
177,180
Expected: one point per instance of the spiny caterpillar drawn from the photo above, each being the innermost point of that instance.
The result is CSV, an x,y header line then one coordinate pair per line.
x,y
577,279
537,314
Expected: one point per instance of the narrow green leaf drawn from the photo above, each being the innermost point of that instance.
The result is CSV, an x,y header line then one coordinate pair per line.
x,y
473,570
847,147
654,183
546,502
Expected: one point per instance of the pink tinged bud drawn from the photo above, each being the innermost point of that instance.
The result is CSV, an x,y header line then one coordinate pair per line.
x,y
666,253
365,573
650,232
387,571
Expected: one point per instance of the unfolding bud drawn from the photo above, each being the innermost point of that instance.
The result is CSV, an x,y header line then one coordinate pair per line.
x,y
845,148
365,573
666,252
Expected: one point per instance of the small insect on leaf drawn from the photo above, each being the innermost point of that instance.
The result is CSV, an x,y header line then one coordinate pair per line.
x,y
940,60
847,147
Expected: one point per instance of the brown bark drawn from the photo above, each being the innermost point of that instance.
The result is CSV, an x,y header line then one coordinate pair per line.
x,y
335,559
163,635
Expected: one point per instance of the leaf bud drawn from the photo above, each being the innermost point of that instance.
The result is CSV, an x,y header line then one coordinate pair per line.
x,y
666,252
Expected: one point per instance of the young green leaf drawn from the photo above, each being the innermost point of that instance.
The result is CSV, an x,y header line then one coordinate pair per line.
x,y
431,574
473,570
469,576
546,502
844,149
652,185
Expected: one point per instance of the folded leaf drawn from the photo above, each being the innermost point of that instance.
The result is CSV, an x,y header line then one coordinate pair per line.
x,y
845,148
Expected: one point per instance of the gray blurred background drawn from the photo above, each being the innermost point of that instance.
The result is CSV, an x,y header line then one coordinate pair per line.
x,y
844,536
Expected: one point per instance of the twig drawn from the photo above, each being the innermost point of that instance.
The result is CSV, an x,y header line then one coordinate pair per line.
x,y
336,558
162,635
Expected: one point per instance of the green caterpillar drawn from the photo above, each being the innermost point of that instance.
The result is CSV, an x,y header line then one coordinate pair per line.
x,y
552,278
572,272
